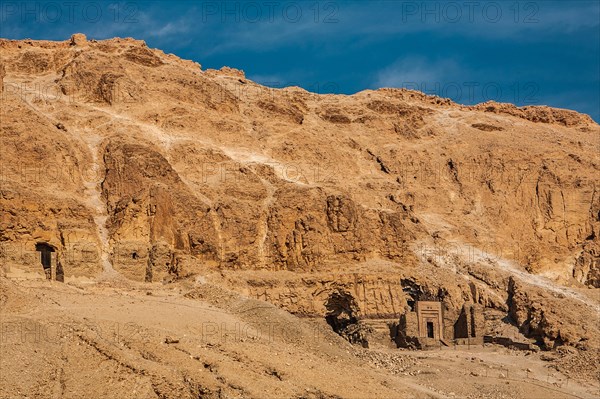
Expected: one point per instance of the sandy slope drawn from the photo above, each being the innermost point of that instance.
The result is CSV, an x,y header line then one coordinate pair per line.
x,y
108,340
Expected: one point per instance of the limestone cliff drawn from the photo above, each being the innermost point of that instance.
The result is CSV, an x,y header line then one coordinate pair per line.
x,y
134,161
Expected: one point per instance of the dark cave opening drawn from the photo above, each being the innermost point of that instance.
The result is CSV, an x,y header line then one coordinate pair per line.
x,y
343,317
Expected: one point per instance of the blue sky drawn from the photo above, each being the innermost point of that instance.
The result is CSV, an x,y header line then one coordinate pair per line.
x,y
525,52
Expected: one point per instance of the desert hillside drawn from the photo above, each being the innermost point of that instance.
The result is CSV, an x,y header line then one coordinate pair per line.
x,y
153,178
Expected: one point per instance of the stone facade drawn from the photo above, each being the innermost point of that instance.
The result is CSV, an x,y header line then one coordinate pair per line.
x,y
429,319
468,328
430,326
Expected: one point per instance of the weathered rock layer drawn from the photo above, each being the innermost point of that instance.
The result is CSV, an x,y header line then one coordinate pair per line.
x,y
130,159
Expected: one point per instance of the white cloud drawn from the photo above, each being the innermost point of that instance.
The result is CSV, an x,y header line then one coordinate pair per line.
x,y
417,71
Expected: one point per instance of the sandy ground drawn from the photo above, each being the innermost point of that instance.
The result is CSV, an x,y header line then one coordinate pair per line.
x,y
130,340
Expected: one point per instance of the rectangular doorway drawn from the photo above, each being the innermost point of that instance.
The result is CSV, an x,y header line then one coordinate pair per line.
x,y
430,329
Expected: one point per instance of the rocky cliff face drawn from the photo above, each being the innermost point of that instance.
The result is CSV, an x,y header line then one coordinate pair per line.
x,y
135,162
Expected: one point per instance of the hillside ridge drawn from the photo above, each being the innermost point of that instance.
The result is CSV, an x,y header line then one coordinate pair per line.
x,y
135,164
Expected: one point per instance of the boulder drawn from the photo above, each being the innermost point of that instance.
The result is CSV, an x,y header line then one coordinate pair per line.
x,y
78,39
